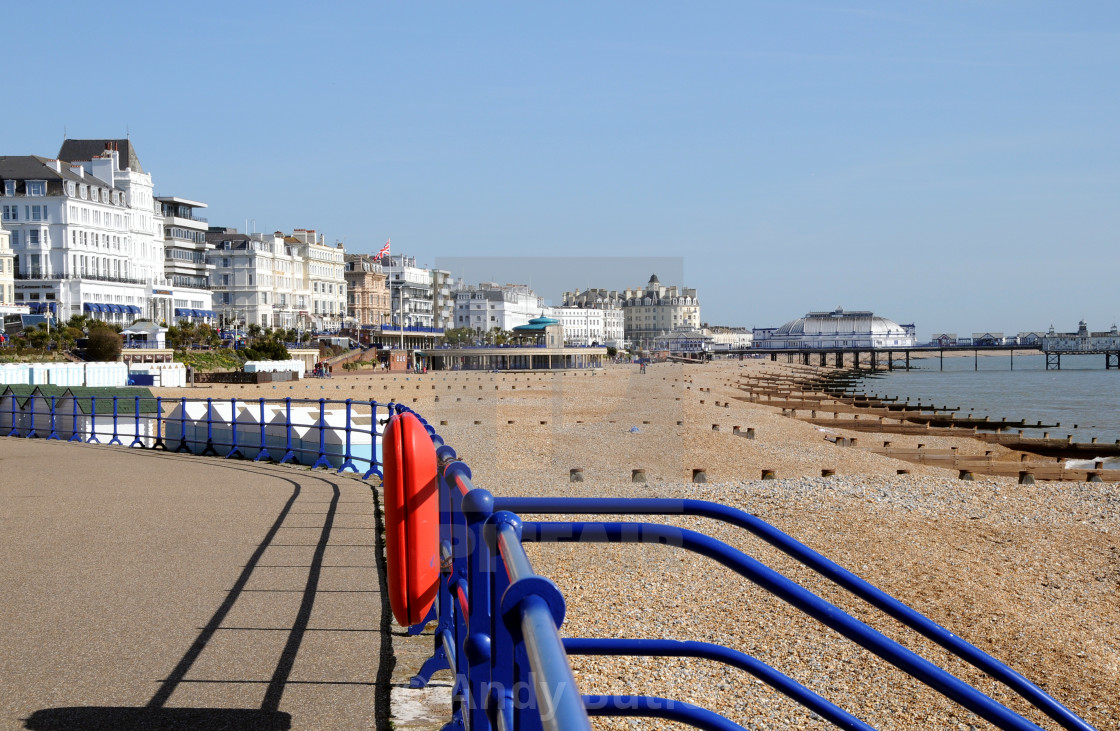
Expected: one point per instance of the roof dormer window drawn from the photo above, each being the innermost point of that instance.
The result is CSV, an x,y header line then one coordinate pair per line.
x,y
83,191
70,188
9,187
36,187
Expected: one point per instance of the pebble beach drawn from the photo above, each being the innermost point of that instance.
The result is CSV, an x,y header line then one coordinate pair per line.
x,y
1028,573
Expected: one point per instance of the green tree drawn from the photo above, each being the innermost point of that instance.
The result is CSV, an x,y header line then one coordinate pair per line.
x,y
458,335
39,337
103,344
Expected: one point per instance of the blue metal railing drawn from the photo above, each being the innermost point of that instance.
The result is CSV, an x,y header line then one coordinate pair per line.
x,y
497,621
320,432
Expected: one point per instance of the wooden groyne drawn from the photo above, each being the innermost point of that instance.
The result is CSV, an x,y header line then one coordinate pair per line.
x,y
828,400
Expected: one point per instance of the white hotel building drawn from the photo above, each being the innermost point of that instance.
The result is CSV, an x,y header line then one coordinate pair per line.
x,y
591,326
258,279
323,275
84,232
411,292
187,296
491,305
7,270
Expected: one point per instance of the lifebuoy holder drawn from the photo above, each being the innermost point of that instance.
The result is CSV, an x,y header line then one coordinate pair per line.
x,y
411,497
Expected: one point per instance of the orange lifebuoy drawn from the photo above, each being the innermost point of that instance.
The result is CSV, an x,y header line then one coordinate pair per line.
x,y
411,518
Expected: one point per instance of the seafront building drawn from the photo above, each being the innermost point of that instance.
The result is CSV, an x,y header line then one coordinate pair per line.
x,y
367,295
257,279
7,270
657,310
490,305
1083,340
323,272
837,329
443,298
591,326
725,338
411,296
83,232
648,313
187,297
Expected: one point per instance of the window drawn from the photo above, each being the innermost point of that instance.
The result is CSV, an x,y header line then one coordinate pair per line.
x,y
38,213
33,237
9,187
11,213
36,187
70,188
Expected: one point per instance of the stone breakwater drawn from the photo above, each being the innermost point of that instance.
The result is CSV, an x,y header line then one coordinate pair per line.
x,y
1027,573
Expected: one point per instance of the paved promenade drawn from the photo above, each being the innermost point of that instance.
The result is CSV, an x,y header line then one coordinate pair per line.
x,y
152,590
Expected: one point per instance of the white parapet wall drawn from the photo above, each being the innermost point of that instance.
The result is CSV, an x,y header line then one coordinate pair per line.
x,y
193,424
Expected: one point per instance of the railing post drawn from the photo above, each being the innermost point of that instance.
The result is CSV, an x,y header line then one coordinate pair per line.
x,y
322,461
54,424
209,450
347,461
234,449
31,402
503,665
263,453
92,421
478,507
136,433
182,426
75,434
13,432
116,435
158,444
288,453
374,465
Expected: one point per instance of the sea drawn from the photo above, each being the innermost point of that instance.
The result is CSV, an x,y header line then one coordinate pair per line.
x,y
1083,397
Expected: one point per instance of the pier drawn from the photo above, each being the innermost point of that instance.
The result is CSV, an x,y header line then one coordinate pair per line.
x,y
899,358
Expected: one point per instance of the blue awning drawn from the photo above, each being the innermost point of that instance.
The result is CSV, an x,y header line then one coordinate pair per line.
x,y
180,312
90,307
114,308
133,309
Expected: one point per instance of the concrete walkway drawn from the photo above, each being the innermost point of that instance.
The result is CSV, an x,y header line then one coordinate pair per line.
x,y
148,590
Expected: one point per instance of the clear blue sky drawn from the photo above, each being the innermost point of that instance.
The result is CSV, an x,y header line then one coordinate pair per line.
x,y
952,164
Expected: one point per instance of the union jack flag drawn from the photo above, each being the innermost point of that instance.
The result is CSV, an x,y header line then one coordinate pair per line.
x,y
384,250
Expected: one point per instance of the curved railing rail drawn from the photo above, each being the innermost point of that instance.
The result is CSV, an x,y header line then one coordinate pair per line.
x,y
471,624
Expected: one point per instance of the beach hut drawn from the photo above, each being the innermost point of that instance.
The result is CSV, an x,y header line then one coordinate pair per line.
x,y
88,413
25,409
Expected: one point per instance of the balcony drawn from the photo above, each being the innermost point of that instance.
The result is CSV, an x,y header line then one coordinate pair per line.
x,y
90,277
184,213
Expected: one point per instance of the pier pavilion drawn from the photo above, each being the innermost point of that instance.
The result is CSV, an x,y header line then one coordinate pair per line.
x,y
514,358
540,347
